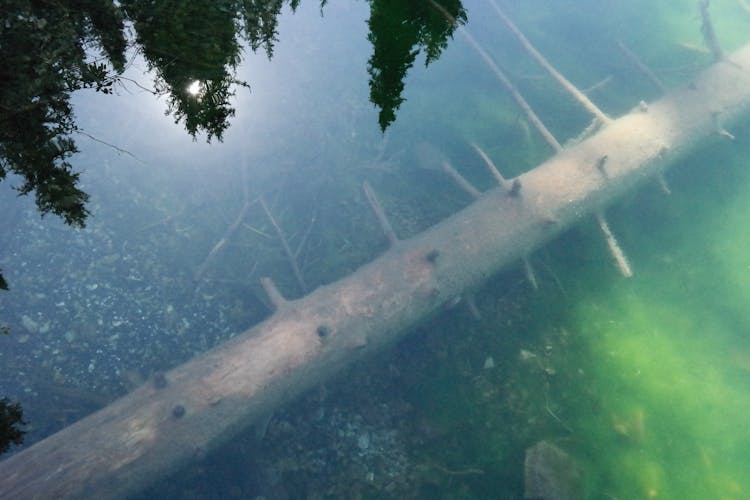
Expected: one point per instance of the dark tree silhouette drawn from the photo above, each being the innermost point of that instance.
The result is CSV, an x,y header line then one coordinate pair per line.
x,y
42,49
186,42
11,416
399,30
43,46
197,45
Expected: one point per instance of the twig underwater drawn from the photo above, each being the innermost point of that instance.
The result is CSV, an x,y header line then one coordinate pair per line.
x,y
709,34
377,210
285,245
641,66
504,80
539,58
109,144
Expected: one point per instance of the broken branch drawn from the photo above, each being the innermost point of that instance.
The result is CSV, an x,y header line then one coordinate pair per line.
x,y
285,245
539,58
377,209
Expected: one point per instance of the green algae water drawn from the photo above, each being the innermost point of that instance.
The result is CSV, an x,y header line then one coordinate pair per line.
x,y
665,354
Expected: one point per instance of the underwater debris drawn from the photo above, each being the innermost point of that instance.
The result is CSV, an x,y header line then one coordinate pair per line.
x,y
554,73
709,35
631,426
526,355
160,380
287,249
178,411
720,128
461,181
432,256
621,261
515,188
501,181
323,331
601,163
274,296
528,270
551,474
377,210
642,67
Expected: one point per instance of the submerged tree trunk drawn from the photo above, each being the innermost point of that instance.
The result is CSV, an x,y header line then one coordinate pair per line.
x,y
195,407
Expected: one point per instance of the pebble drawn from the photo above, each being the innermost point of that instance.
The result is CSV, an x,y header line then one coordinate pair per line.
x,y
28,323
363,441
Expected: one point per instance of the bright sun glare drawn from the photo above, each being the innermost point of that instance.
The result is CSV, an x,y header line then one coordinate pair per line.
x,y
194,88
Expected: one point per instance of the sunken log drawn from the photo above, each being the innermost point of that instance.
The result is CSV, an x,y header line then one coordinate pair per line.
x,y
197,406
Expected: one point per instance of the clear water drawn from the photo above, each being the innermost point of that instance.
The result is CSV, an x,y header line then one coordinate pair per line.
x,y
643,382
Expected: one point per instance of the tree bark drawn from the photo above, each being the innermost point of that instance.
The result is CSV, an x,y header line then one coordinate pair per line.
x,y
159,427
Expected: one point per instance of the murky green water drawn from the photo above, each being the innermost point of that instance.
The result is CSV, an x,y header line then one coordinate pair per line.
x,y
642,382
665,355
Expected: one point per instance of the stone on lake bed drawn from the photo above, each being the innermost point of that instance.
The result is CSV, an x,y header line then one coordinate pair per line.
x,y
29,324
363,441
551,474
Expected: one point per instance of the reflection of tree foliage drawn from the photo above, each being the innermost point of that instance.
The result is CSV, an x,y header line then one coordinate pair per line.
x,y
42,49
259,21
200,41
11,416
399,29
188,41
